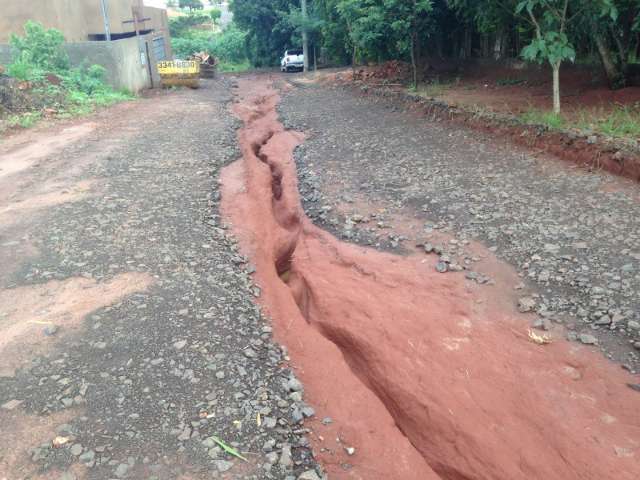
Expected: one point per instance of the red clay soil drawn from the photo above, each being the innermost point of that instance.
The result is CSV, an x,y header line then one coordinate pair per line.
x,y
424,375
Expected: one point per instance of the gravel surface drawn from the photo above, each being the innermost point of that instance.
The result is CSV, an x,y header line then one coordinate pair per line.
x,y
152,380
574,237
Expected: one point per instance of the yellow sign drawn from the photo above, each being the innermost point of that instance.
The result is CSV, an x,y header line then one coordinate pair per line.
x,y
179,67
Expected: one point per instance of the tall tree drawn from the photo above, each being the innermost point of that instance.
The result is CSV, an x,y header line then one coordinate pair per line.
x,y
269,32
191,4
408,20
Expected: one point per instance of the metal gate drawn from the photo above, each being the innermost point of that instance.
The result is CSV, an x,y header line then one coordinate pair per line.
x,y
158,49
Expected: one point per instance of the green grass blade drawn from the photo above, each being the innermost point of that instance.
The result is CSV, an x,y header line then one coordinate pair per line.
x,y
228,449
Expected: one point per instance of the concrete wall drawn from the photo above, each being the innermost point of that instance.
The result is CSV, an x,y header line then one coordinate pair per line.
x,y
61,14
121,59
77,19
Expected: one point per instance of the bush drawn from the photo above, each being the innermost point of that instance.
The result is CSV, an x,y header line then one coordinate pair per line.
x,y
39,50
87,80
228,46
180,26
39,58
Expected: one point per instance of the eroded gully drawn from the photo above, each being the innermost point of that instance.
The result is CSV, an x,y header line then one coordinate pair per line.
x,y
424,376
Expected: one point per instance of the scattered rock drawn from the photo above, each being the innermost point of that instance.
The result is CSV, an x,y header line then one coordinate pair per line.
x,y
309,475
11,404
526,304
588,339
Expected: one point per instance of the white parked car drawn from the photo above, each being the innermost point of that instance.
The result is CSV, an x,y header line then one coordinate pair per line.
x,y
292,60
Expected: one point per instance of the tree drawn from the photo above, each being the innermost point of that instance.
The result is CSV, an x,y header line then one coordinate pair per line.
x,y
191,4
306,23
269,32
407,19
215,15
550,42
551,20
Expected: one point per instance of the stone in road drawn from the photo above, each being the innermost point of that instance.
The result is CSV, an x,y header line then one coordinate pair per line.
x,y
128,334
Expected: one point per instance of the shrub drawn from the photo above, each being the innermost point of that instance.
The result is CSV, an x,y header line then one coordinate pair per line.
x,y
40,49
39,58
228,46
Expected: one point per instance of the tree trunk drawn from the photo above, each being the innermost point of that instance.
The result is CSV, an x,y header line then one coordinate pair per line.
x,y
305,36
485,45
414,67
556,87
615,77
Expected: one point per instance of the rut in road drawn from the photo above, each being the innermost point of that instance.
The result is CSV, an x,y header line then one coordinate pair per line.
x,y
422,375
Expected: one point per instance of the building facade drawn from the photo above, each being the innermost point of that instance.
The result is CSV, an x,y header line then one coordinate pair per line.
x,y
82,20
124,36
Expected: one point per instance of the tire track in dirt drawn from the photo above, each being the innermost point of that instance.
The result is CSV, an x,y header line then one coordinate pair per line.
x,y
425,377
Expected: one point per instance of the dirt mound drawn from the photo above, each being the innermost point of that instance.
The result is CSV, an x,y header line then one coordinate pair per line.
x,y
424,377
13,95
391,71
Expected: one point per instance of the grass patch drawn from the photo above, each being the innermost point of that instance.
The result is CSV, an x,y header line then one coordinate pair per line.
x,y
23,120
541,117
232,67
622,121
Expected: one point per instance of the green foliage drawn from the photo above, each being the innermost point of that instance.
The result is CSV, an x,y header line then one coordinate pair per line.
x,y
232,67
268,27
622,121
25,120
539,117
214,14
191,4
552,47
180,26
39,58
39,51
228,46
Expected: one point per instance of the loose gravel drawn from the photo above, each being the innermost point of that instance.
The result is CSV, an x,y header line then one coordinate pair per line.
x,y
573,236
155,380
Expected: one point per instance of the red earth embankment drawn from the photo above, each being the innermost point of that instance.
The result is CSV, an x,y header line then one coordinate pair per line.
x,y
426,376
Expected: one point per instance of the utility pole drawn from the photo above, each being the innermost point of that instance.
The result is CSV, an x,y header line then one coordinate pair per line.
x,y
105,17
305,34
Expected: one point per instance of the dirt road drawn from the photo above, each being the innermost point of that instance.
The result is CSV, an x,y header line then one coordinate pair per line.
x,y
133,336
128,334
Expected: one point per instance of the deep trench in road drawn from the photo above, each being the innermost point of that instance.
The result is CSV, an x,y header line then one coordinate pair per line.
x,y
422,376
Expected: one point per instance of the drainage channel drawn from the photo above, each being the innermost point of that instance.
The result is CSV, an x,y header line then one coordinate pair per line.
x,y
424,378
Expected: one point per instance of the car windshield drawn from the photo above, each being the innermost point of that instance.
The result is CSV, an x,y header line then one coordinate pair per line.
x,y
294,52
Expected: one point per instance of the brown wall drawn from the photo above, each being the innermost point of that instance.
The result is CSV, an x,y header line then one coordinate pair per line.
x,y
77,19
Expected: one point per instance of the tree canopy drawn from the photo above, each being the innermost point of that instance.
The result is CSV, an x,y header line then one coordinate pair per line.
x,y
420,31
